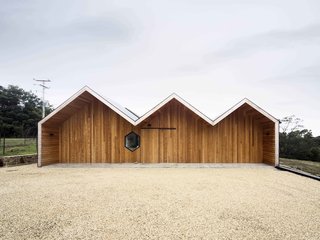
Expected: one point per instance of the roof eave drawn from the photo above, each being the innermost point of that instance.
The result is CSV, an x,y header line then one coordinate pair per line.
x,y
238,105
168,99
94,94
64,104
157,107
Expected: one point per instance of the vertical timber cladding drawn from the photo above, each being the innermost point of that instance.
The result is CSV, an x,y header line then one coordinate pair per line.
x,y
239,138
269,143
159,146
50,144
95,134
159,139
109,131
75,137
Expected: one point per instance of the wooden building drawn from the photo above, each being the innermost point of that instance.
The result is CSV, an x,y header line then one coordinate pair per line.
x,y
90,129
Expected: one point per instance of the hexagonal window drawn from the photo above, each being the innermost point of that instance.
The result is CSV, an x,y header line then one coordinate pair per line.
x,y
132,141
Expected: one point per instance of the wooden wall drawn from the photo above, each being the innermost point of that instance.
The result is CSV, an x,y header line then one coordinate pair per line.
x,y
51,139
75,137
173,134
268,143
50,144
95,134
236,139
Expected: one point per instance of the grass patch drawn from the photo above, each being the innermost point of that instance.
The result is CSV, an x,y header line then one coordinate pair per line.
x,y
302,165
18,146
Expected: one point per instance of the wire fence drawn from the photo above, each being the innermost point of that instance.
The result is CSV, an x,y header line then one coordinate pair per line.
x,y
17,146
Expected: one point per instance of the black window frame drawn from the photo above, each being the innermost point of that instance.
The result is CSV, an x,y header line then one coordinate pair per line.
x,y
138,140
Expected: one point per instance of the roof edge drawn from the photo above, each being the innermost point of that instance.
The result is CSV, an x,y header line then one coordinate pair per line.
x,y
168,99
94,94
64,104
157,107
238,105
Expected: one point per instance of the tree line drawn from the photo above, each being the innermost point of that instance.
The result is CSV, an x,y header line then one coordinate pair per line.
x,y
296,142
20,111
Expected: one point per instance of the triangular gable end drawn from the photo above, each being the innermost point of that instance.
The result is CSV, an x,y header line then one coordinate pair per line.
x,y
94,94
180,100
238,105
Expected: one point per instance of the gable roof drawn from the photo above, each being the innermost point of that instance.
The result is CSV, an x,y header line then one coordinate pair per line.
x,y
180,100
123,112
238,105
135,119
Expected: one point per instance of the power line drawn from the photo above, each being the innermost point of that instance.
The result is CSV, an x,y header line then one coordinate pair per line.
x,y
42,83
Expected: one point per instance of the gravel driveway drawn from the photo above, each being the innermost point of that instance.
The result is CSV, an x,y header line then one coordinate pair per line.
x,y
157,203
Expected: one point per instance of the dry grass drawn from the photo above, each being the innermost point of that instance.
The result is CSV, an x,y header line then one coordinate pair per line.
x,y
18,146
303,165
121,203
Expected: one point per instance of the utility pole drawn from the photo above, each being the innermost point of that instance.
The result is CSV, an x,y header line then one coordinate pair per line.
x,y
42,83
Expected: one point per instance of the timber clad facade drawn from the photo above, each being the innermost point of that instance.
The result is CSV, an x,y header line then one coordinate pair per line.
x,y
89,129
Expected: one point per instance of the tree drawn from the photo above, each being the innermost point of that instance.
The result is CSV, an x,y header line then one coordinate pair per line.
x,y
298,143
20,112
290,124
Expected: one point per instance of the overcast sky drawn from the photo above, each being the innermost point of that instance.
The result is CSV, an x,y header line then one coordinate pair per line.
x,y
213,53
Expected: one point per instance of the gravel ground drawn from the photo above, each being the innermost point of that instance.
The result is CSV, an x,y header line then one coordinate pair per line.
x,y
157,203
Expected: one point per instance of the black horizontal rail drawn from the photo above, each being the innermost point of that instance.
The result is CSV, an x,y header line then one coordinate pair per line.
x,y
159,128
